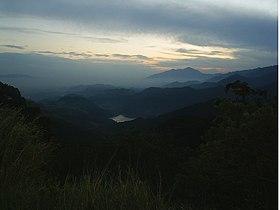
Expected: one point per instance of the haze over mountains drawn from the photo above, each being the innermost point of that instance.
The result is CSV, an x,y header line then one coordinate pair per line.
x,y
31,72
139,104
169,79
49,71
89,109
146,96
115,120
255,77
93,105
180,75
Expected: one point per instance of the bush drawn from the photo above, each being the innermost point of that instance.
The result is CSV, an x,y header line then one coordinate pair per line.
x,y
237,167
26,181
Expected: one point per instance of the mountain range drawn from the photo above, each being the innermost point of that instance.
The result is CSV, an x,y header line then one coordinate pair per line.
x,y
254,77
155,101
88,109
180,75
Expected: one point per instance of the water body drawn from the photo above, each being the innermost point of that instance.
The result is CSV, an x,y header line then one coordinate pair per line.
x,y
121,118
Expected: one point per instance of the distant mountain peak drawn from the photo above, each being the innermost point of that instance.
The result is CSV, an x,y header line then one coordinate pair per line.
x,y
181,75
190,68
187,69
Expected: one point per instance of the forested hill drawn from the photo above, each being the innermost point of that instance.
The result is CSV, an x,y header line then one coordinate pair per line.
x,y
220,154
10,95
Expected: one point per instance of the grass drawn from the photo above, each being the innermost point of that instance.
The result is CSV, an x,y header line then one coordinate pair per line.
x,y
26,182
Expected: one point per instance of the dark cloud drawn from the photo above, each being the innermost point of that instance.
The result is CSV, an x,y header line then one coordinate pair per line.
x,y
199,53
65,53
124,56
195,53
102,55
13,46
77,54
183,50
200,24
236,31
33,30
105,40
121,56
39,31
142,57
216,52
84,55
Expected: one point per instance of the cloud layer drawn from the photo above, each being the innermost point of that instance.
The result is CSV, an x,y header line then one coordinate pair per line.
x,y
47,71
158,34
13,46
197,22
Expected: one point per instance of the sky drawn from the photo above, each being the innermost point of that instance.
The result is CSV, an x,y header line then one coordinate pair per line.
x,y
138,37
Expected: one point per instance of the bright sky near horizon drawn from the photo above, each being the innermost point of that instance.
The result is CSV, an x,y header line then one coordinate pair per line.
x,y
212,35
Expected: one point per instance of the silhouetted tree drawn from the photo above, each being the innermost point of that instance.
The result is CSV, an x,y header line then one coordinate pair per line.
x,y
11,96
240,89
237,167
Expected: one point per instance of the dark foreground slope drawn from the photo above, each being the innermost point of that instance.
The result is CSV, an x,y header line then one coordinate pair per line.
x,y
73,117
30,178
229,164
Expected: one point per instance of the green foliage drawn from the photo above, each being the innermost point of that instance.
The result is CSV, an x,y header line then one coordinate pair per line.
x,y
232,166
99,191
10,95
24,158
243,90
25,181
237,167
102,192
150,155
23,151
239,88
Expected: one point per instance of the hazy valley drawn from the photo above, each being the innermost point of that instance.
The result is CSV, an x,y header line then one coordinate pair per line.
x,y
139,105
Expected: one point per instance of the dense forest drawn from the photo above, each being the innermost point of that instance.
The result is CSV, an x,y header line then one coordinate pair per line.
x,y
220,153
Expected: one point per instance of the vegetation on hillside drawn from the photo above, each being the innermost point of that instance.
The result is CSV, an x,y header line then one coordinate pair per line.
x,y
227,163
28,181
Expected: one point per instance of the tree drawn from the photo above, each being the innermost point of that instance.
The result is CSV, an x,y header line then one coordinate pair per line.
x,y
237,166
240,89
11,96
